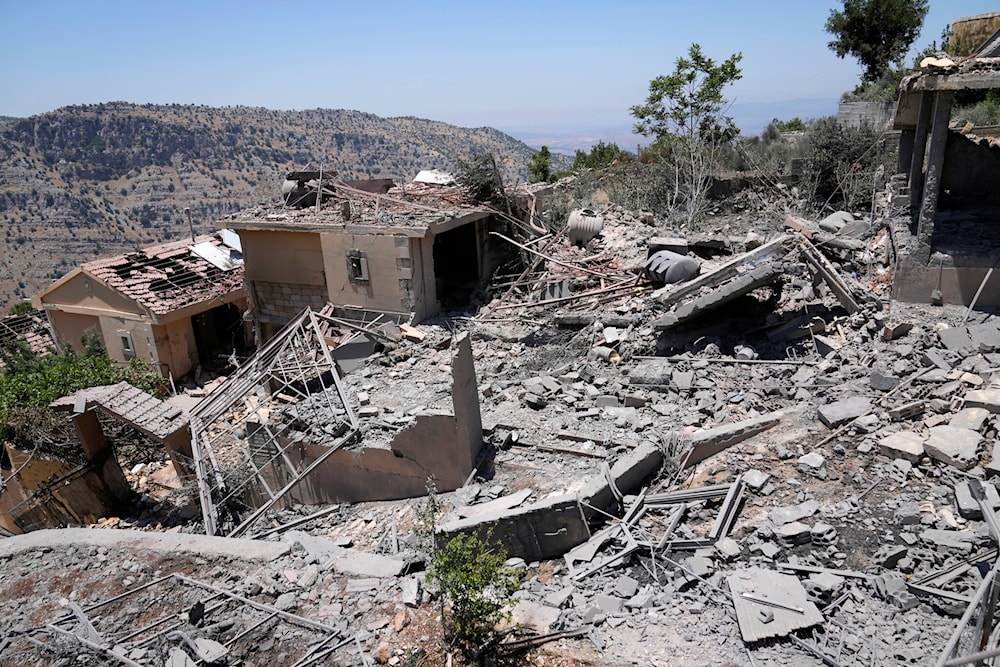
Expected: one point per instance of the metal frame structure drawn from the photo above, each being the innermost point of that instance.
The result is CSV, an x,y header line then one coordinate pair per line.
x,y
136,628
247,434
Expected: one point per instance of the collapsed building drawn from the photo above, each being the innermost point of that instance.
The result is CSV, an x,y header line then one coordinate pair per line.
x,y
947,179
367,247
176,305
781,445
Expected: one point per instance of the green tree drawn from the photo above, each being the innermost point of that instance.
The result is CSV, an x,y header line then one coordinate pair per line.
x,y
876,32
480,177
29,382
685,112
794,125
600,155
540,166
20,308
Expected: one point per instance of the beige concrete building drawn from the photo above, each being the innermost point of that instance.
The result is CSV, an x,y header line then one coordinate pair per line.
x,y
176,305
418,248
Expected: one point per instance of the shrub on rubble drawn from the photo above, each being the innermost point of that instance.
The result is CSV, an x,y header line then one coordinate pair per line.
x,y
476,587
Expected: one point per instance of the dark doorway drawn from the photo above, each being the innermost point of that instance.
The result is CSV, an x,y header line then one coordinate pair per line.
x,y
218,333
456,266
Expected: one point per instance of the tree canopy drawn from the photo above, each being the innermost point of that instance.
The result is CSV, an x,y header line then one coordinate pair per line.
x,y
601,155
876,32
689,101
540,166
685,112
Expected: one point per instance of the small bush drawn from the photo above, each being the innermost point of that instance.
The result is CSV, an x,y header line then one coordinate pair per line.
x,y
475,585
840,163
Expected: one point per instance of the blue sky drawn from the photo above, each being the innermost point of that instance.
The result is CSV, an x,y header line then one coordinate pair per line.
x,y
534,69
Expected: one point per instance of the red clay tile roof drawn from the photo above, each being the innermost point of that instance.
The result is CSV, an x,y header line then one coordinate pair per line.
x,y
31,327
167,277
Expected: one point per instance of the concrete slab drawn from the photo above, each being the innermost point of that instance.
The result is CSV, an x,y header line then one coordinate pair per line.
x,y
905,445
973,419
164,543
956,338
986,336
744,284
840,412
538,617
782,596
365,564
983,398
954,446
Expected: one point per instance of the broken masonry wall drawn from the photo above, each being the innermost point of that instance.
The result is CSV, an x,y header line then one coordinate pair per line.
x,y
100,454
11,495
283,273
858,114
177,348
541,531
439,445
552,526
49,493
914,281
351,476
445,446
388,285
465,402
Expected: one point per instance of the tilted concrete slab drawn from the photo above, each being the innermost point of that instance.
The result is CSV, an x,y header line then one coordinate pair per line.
x,y
840,412
746,283
983,398
142,541
714,440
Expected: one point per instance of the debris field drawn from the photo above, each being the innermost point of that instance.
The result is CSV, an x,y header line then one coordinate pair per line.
x,y
770,462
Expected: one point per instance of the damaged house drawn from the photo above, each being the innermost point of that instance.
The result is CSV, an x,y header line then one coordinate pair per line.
x,y
176,305
418,248
950,175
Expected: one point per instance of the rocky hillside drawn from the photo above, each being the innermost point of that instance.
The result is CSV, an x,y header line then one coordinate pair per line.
x,y
86,181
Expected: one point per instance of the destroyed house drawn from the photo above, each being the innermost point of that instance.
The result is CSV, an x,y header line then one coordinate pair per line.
x,y
950,174
177,305
419,248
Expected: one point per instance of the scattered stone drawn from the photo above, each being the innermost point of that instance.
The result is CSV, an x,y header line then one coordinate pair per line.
x,y
286,602
813,464
626,586
755,479
792,534
882,382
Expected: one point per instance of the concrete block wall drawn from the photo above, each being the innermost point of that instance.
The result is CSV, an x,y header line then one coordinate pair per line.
x,y
876,114
283,301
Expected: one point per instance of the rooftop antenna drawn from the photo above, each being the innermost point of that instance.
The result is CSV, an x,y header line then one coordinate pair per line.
x,y
187,212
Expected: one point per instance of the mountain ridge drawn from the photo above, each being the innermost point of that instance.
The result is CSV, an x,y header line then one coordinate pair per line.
x,y
91,180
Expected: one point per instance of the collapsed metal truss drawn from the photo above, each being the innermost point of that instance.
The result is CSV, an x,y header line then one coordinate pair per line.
x,y
202,624
247,435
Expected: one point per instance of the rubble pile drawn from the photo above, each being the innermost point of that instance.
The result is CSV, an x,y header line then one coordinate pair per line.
x,y
769,463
